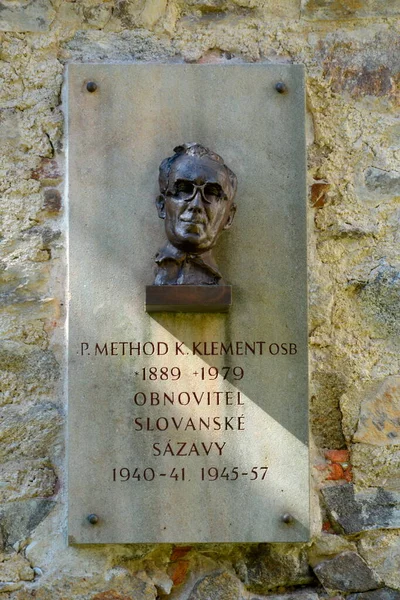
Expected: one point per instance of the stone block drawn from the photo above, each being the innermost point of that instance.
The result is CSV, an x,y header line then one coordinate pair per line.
x,y
362,65
376,466
14,567
303,594
354,512
381,182
380,299
120,586
379,420
278,565
218,586
328,10
346,572
33,367
10,586
26,15
381,594
350,403
153,11
111,595
327,388
30,434
28,479
327,546
85,14
381,550
19,519
97,15
9,128
285,9
273,8
130,45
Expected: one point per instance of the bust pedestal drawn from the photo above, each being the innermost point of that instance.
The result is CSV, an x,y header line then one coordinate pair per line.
x,y
188,298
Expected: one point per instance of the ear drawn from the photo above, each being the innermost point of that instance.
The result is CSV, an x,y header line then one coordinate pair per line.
x,y
160,203
230,217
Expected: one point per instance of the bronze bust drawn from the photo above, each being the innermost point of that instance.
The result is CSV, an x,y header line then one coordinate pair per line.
x,y
196,200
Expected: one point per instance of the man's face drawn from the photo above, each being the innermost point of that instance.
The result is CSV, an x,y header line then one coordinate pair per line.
x,y
197,205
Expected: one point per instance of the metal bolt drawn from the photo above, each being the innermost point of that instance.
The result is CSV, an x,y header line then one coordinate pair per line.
x,y
287,518
93,519
91,86
281,87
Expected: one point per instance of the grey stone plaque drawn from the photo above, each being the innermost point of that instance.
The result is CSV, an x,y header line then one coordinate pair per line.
x,y
186,427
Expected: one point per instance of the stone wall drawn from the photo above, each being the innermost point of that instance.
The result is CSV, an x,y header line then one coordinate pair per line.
x,y
350,49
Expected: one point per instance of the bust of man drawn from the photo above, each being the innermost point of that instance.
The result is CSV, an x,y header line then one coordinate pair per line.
x,y
197,191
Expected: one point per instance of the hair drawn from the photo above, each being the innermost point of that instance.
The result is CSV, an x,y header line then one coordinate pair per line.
x,y
193,149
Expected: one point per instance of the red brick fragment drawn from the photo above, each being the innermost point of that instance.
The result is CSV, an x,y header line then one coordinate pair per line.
x,y
335,472
337,456
179,552
179,572
327,527
348,474
318,194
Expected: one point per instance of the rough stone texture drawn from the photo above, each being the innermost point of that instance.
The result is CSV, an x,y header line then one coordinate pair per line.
x,y
29,433
277,565
379,419
380,298
353,512
120,586
348,9
351,51
327,546
325,408
376,466
381,594
386,183
14,567
19,519
381,550
218,586
192,572
132,45
346,572
302,594
28,479
371,412
26,15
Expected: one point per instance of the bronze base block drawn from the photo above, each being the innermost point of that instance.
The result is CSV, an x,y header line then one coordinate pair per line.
x,y
188,298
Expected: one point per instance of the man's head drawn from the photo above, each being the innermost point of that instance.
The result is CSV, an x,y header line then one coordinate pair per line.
x,y
196,197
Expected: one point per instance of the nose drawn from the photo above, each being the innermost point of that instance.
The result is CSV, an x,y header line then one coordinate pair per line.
x,y
196,204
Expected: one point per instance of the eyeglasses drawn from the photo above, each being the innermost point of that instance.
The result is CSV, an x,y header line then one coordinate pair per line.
x,y
187,190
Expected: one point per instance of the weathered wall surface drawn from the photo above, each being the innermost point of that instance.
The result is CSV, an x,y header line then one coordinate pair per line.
x,y
351,51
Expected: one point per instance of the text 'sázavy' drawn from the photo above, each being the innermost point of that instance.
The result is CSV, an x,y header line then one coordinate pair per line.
x,y
187,411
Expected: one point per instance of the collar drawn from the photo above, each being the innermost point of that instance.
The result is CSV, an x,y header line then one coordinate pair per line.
x,y
169,252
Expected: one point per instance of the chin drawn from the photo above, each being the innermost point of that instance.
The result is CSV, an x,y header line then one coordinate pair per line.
x,y
190,243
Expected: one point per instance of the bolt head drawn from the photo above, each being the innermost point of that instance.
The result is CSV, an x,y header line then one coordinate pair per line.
x,y
287,518
93,519
91,86
281,87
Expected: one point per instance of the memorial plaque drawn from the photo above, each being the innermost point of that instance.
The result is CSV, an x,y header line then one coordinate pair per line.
x,y
190,425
